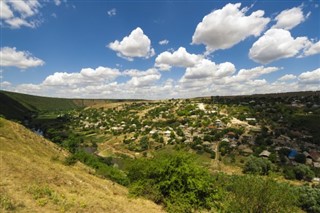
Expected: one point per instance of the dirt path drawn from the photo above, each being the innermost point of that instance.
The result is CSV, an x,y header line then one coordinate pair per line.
x,y
114,151
145,111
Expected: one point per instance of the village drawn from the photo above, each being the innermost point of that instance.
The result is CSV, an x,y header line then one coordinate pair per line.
x,y
224,130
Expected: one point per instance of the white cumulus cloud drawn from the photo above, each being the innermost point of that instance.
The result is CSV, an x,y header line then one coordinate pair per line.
x,y
137,44
287,77
86,76
16,14
253,73
6,12
276,44
312,49
223,28
208,69
10,57
289,18
179,58
143,78
310,77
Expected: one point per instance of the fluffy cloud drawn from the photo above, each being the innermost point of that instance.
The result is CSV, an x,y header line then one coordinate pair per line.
x,y
102,83
164,42
208,69
112,12
144,78
310,77
6,12
287,77
86,76
137,44
223,28
312,49
290,18
10,57
179,58
19,13
25,8
249,74
276,44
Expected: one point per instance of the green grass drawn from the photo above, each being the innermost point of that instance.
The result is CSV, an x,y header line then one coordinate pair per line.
x,y
37,103
19,106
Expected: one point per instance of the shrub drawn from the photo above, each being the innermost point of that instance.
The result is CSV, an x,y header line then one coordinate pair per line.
x,y
309,199
303,172
259,166
174,179
299,172
101,165
255,194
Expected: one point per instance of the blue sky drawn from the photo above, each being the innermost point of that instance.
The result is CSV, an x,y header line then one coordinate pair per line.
x,y
159,49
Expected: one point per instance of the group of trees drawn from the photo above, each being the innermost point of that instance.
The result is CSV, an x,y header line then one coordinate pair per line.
x,y
181,183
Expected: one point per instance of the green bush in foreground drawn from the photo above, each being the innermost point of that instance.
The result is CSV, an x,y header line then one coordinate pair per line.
x,y
176,180
256,194
309,198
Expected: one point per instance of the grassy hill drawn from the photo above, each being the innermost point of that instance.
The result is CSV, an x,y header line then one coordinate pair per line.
x,y
34,179
19,106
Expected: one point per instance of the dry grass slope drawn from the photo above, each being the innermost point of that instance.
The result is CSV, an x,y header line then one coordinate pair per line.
x,y
33,179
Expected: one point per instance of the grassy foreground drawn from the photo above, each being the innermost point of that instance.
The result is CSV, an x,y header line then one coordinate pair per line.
x,y
34,179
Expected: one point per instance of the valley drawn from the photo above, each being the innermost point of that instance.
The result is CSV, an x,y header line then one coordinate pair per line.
x,y
274,137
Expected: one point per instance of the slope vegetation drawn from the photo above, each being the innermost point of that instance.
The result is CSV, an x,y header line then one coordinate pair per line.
x,y
34,179
22,106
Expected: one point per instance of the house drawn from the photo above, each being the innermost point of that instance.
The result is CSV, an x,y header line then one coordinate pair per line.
x,y
225,140
247,151
315,156
218,123
316,165
167,133
250,119
206,143
152,132
265,154
231,135
316,179
292,155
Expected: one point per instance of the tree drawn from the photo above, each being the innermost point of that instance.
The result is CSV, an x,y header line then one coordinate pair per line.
x,y
174,179
303,172
259,166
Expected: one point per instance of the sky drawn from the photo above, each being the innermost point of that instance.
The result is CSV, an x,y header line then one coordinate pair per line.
x,y
159,49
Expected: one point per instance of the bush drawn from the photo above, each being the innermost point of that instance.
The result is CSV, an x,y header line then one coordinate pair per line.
x,y
255,194
101,165
259,166
176,180
309,199
303,172
299,172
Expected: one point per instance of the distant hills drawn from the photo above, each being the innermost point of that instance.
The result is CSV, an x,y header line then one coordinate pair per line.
x,y
34,179
20,106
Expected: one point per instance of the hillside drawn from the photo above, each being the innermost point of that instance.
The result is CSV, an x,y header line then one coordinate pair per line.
x,y
34,179
21,106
